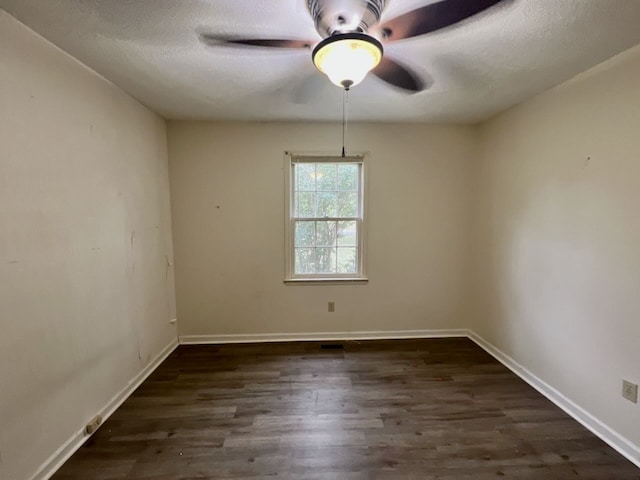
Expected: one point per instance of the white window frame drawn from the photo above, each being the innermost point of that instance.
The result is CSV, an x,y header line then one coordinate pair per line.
x,y
290,275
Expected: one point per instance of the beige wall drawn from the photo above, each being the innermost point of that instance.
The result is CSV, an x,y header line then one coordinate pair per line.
x,y
230,260
558,238
85,295
537,209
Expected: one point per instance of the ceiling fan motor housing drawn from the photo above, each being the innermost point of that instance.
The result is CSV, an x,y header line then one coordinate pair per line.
x,y
343,16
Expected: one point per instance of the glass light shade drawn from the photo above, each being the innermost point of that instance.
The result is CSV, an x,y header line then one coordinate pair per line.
x,y
346,58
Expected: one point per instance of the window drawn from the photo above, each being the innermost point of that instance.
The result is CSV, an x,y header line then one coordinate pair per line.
x,y
325,218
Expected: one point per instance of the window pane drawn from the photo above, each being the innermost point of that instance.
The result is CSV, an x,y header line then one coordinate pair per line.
x,y
348,177
325,260
326,176
325,234
304,234
347,204
305,204
305,177
326,204
321,193
305,261
347,260
347,234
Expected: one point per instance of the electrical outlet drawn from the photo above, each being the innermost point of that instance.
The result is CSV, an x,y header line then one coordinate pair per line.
x,y
331,307
630,391
93,425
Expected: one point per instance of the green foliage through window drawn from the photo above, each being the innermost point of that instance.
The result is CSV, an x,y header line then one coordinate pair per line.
x,y
326,212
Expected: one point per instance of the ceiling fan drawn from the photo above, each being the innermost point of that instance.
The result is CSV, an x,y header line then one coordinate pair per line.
x,y
352,38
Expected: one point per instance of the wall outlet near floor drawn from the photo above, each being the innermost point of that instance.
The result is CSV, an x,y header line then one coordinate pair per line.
x,y
331,307
630,391
93,425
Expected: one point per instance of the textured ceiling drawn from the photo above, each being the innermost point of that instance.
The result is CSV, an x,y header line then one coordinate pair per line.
x,y
150,48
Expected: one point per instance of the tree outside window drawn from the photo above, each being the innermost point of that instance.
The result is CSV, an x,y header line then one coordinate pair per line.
x,y
326,217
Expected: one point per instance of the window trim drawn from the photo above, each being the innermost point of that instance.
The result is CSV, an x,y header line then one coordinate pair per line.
x,y
331,278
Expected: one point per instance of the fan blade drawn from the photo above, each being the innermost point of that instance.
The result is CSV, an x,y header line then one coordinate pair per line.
x,y
216,40
432,17
399,76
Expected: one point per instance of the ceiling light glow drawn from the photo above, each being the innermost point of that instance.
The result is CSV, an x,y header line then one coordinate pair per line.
x,y
346,58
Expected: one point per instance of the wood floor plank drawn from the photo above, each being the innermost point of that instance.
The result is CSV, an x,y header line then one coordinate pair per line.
x,y
405,409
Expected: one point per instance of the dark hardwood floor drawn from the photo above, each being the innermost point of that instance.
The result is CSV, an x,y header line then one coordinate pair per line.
x,y
407,409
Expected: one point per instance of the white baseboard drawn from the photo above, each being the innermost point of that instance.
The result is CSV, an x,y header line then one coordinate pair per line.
x,y
318,336
55,461
619,443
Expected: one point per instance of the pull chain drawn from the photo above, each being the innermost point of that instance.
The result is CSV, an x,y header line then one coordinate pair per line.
x,y
345,101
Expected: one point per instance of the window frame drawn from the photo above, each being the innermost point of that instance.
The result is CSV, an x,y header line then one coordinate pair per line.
x,y
337,278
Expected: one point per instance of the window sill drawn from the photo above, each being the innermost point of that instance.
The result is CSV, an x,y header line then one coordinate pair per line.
x,y
327,281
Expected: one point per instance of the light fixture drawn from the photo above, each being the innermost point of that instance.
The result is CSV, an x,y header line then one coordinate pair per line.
x,y
346,58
